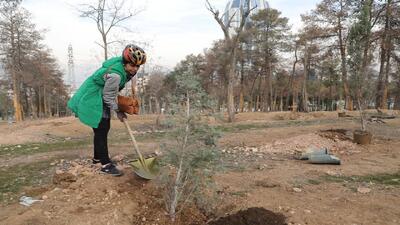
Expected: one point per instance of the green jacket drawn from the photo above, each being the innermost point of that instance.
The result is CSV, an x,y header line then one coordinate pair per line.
x,y
87,102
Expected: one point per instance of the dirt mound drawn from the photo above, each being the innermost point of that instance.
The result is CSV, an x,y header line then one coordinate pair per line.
x,y
81,195
335,142
336,134
252,216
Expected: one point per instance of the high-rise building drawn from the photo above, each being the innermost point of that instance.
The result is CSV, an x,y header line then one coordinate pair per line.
x,y
233,10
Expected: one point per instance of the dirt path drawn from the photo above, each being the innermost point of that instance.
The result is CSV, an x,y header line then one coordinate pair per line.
x,y
261,171
84,152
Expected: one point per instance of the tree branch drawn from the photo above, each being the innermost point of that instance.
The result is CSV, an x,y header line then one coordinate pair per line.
x,y
218,19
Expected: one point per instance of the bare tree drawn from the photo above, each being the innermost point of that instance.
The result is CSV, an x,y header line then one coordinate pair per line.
x,y
12,24
154,88
30,71
231,45
330,18
107,15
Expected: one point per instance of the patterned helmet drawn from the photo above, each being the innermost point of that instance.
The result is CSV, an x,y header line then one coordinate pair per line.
x,y
134,54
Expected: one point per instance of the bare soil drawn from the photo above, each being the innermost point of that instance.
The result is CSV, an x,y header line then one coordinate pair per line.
x,y
262,177
253,216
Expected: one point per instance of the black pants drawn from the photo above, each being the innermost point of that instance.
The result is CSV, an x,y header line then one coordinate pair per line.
x,y
100,141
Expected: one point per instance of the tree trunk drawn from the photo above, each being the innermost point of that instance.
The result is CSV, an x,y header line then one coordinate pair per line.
x,y
251,104
330,95
270,92
26,110
58,106
45,109
150,107
264,102
386,84
380,102
142,105
231,83
31,105
241,95
37,97
397,97
342,47
292,86
15,78
16,98
50,109
304,95
252,97
104,37
379,88
287,100
388,48
39,105
157,106
257,103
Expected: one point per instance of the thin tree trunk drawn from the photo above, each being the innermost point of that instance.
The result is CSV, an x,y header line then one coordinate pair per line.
x,y
385,42
45,109
150,107
105,46
379,88
287,100
241,95
257,103
26,110
304,95
388,44
50,109
397,97
37,95
58,107
270,89
252,97
292,86
157,105
386,84
31,105
15,80
178,179
16,98
342,47
231,82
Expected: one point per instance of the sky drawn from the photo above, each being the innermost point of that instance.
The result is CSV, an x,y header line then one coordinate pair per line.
x,y
173,29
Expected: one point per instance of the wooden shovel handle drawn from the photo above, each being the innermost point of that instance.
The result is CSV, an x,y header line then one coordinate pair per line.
x,y
136,147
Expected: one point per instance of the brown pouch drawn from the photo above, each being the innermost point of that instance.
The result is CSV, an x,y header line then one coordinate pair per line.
x,y
128,105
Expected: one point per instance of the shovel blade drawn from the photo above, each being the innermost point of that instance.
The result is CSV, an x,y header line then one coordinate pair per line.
x,y
148,170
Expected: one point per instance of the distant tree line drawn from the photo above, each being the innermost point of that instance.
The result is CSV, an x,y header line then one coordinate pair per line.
x,y
31,84
348,51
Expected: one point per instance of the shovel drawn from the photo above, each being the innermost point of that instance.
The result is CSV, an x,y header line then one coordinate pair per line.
x,y
144,168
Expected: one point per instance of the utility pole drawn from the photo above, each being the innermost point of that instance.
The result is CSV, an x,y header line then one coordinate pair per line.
x,y
71,71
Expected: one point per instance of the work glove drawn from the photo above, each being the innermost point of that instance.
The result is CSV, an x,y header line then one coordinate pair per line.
x,y
121,116
128,105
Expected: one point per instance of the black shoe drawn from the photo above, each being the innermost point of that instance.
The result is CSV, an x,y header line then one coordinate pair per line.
x,y
111,169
